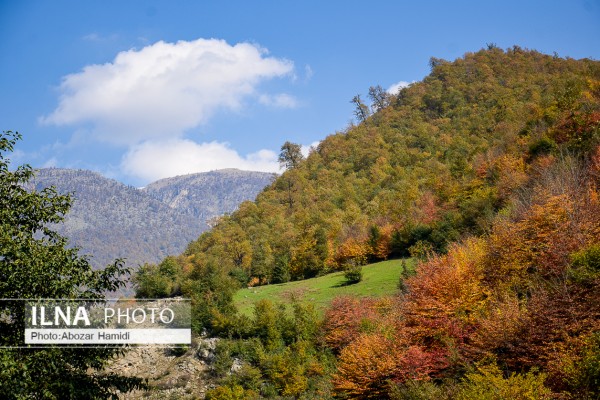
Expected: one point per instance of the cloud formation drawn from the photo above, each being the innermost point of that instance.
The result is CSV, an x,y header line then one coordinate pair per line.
x,y
164,89
281,100
155,160
306,149
396,87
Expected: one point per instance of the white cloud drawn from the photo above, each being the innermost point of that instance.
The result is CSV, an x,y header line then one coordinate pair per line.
x,y
95,37
308,72
396,87
305,149
281,100
92,37
162,90
154,160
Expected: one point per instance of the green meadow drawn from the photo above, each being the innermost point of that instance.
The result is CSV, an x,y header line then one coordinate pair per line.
x,y
379,279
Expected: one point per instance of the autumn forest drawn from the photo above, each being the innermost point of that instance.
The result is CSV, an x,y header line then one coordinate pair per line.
x,y
486,173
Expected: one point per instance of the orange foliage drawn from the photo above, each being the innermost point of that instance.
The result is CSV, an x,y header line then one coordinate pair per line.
x,y
543,239
383,247
254,281
511,174
353,249
577,126
449,286
507,295
530,258
366,366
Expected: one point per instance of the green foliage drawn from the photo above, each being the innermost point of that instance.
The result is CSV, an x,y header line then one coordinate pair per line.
x,y
419,390
290,155
587,378
248,376
279,359
149,283
421,250
158,281
541,147
404,275
212,298
433,164
36,262
281,270
578,370
586,264
353,273
230,393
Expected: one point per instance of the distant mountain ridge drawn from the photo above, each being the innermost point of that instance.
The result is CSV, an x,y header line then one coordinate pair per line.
x,y
109,219
209,194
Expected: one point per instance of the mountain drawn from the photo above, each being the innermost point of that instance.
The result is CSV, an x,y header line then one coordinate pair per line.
x,y
209,194
111,220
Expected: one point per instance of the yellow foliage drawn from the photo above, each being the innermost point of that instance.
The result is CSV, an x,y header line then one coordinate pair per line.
x,y
489,384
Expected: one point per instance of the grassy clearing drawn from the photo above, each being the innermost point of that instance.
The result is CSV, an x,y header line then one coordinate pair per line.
x,y
379,279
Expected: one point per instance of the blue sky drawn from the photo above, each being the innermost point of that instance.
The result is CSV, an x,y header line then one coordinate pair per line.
x,y
141,90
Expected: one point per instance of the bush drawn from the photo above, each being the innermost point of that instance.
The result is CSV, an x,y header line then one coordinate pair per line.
x,y
541,147
421,250
488,383
149,283
418,390
230,393
585,264
353,274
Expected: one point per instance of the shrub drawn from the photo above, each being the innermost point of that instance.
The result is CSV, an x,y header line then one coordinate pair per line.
x,y
541,147
418,390
488,383
585,264
353,274
230,393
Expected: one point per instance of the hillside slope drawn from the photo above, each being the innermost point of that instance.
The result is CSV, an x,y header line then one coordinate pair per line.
x,y
433,164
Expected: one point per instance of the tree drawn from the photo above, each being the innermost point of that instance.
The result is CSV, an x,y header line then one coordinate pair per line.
x,y
361,111
291,155
36,263
290,158
379,97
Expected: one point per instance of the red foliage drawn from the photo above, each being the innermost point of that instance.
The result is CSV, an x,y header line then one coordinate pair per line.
x,y
348,317
577,126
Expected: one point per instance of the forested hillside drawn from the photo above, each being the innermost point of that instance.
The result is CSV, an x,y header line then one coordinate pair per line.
x,y
433,164
488,173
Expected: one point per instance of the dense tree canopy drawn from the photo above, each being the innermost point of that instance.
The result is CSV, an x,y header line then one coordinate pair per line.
x,y
35,263
434,164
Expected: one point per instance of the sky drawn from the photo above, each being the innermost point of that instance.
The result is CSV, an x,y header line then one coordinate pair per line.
x,y
143,90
